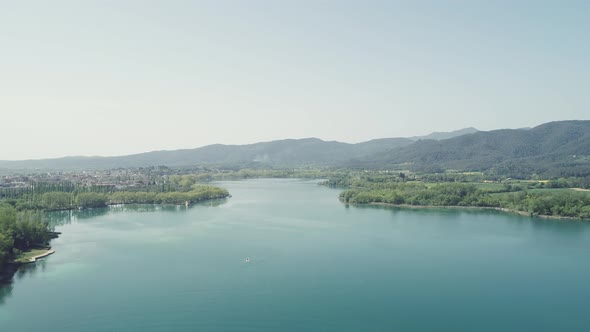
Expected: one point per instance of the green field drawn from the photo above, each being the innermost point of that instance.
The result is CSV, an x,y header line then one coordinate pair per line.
x,y
558,190
495,186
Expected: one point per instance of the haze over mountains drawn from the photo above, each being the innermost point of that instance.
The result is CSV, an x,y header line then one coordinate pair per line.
x,y
552,149
563,147
280,153
445,135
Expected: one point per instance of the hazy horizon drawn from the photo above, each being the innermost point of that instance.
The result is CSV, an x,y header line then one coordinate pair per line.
x,y
246,143
278,139
105,78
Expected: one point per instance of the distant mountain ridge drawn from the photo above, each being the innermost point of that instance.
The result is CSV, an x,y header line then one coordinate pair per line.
x,y
280,153
556,148
445,135
559,148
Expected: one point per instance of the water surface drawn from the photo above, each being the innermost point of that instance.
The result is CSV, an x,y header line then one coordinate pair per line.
x,y
315,265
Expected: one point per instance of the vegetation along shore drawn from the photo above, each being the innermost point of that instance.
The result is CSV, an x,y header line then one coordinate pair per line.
x,y
25,234
530,198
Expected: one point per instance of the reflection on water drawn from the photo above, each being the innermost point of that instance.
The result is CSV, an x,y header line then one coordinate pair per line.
x,y
58,218
23,271
569,227
27,270
5,292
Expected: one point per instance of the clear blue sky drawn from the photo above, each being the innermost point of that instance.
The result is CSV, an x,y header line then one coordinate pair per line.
x,y
119,77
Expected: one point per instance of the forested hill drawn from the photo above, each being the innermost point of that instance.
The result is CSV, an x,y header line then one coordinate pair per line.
x,y
282,153
552,149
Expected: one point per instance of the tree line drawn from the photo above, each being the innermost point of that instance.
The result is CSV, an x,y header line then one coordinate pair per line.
x,y
20,231
54,201
557,203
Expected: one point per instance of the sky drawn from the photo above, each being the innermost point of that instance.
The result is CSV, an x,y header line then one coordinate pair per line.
x,y
119,77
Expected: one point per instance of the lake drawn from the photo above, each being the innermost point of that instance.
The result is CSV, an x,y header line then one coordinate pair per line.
x,y
314,265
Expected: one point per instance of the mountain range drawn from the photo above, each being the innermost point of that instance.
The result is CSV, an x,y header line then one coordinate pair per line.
x,y
561,148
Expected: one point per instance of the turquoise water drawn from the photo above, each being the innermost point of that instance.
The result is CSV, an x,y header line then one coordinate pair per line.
x,y
315,265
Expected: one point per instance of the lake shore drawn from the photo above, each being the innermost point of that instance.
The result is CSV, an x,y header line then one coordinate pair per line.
x,y
511,211
115,204
9,269
33,255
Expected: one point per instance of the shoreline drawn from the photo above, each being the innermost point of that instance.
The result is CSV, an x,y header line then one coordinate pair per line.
x,y
122,204
504,210
11,268
45,254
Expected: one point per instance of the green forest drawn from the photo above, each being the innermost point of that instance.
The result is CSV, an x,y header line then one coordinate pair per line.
x,y
65,196
55,200
520,197
20,231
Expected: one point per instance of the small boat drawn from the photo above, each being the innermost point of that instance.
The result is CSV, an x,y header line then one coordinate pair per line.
x,y
247,260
